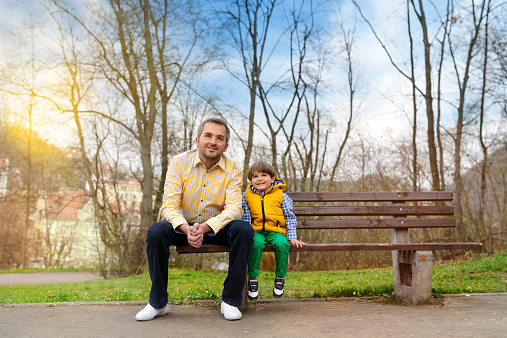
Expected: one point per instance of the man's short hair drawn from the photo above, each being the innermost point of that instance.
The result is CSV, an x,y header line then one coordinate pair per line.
x,y
216,120
261,167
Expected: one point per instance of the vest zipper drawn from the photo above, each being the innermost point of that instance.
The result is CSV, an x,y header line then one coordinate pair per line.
x,y
263,214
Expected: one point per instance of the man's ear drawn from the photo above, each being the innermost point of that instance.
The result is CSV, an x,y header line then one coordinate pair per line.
x,y
197,141
226,146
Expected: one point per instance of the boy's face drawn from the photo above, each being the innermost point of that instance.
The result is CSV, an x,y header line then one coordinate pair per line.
x,y
261,181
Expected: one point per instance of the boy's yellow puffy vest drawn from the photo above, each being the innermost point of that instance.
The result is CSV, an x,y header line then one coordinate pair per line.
x,y
267,213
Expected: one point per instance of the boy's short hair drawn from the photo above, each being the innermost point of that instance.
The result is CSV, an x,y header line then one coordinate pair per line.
x,y
261,167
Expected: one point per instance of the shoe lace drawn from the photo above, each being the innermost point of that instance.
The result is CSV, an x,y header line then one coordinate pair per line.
x,y
253,285
279,283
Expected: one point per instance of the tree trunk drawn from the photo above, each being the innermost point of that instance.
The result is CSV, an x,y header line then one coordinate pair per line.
x,y
460,189
428,96
415,170
249,144
484,147
439,97
24,244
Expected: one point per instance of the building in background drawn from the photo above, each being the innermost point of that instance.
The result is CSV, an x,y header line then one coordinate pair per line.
x,y
68,230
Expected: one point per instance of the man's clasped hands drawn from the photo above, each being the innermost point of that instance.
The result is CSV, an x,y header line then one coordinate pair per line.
x,y
195,233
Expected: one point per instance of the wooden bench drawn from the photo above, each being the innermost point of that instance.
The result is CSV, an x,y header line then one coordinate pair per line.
x,y
397,211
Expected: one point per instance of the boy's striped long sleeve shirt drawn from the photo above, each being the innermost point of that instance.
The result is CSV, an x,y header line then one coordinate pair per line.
x,y
287,207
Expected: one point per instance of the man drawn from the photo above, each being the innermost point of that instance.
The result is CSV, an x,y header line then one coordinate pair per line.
x,y
201,205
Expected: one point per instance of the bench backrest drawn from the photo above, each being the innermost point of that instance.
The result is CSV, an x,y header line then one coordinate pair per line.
x,y
364,210
397,211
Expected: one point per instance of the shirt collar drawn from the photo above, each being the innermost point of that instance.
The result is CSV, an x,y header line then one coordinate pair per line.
x,y
262,193
197,160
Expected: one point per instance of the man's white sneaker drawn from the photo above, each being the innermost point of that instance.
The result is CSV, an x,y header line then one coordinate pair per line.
x,y
230,312
149,312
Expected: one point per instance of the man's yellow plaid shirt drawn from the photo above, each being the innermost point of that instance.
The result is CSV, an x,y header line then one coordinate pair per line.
x,y
194,194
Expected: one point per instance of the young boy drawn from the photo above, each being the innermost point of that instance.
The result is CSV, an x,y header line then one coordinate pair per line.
x,y
269,210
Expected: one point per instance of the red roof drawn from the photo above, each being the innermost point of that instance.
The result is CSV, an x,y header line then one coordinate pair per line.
x,y
66,205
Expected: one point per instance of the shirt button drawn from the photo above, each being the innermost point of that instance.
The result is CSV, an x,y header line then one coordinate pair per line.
x,y
205,185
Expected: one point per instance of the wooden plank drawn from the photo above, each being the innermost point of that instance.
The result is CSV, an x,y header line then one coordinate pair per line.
x,y
205,248
376,223
386,246
347,247
373,210
371,196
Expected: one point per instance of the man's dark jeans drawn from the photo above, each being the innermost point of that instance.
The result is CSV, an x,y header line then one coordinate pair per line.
x,y
238,234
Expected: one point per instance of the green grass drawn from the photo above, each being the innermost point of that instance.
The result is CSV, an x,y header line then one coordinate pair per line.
x,y
483,275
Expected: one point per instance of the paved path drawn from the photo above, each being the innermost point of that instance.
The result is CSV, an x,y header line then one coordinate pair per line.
x,y
46,277
472,316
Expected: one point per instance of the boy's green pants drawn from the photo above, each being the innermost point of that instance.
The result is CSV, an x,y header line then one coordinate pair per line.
x,y
280,246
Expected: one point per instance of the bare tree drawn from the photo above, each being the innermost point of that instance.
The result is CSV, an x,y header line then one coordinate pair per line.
x,y
415,167
443,43
23,89
307,146
28,203
136,55
427,93
348,46
56,243
169,75
301,28
477,18
484,147
191,108
249,23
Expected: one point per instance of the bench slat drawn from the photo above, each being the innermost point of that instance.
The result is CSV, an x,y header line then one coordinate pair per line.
x,y
207,248
373,210
386,246
376,223
371,196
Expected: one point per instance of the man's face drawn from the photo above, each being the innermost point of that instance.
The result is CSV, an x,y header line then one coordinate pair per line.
x,y
212,142
262,181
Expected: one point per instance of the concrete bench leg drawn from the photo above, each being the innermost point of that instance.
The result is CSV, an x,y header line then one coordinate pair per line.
x,y
412,276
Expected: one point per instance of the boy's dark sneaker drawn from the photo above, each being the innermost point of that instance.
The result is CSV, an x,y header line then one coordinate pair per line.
x,y
253,289
278,289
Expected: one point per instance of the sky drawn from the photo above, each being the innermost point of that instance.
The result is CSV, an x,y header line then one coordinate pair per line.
x,y
373,61
377,116
383,111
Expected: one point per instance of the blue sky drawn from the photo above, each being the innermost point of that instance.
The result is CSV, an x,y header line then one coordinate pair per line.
x,y
384,110
372,60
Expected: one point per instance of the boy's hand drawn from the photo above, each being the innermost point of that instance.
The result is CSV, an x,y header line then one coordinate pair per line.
x,y
297,243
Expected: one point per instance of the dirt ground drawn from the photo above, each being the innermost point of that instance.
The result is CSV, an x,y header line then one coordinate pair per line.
x,y
46,277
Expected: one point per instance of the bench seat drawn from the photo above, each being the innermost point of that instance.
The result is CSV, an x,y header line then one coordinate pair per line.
x,y
208,248
395,211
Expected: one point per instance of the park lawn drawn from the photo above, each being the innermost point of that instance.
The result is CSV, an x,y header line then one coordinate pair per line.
x,y
485,275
